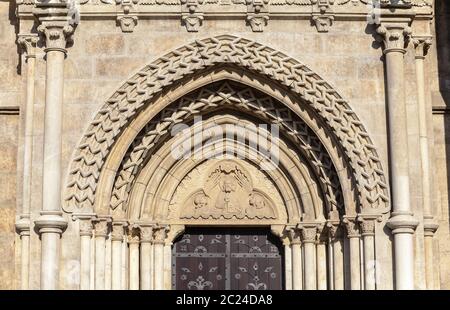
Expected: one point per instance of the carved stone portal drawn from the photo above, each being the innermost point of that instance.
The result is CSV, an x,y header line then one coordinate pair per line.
x,y
226,192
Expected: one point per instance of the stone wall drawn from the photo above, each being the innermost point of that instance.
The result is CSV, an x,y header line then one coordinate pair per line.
x,y
440,85
10,93
100,61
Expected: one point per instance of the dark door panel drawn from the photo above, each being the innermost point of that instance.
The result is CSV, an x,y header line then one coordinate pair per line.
x,y
241,259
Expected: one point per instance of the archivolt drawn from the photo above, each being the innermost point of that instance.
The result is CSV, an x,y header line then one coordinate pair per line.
x,y
219,96
195,57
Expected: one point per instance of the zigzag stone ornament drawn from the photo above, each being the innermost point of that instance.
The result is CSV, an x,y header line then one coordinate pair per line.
x,y
297,78
226,94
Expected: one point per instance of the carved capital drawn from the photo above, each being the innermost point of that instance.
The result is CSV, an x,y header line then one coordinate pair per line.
x,y
160,233
322,234
395,36
308,234
421,45
101,227
367,225
146,231
118,230
27,42
334,229
86,227
294,235
351,226
54,19
133,234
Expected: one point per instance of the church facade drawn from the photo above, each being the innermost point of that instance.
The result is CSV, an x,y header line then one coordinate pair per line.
x,y
224,144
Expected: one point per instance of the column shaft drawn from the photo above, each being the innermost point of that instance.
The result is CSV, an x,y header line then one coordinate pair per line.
x,y
28,42
134,265
355,277
288,266
51,224
159,265
85,262
167,266
100,262
146,273
101,231
310,270
353,235
117,238
146,230
25,261
422,44
86,230
297,276
369,262
321,266
396,36
116,276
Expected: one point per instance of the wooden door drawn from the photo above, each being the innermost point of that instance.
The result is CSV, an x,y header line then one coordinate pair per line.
x,y
237,259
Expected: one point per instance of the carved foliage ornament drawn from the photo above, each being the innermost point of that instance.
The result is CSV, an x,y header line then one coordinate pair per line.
x,y
28,44
57,34
120,109
228,194
395,36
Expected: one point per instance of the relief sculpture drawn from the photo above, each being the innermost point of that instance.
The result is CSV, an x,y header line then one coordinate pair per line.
x,y
228,193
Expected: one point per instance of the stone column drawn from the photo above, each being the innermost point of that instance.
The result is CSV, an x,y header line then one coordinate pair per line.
x,y
160,234
368,235
321,261
335,237
117,236
133,265
287,263
352,228
421,45
28,44
297,266
54,25
395,35
86,228
168,265
308,235
146,257
101,231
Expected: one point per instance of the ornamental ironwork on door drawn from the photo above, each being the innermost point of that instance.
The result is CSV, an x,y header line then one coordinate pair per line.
x,y
223,259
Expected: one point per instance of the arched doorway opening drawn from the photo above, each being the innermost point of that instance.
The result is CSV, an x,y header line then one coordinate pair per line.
x,y
326,178
224,258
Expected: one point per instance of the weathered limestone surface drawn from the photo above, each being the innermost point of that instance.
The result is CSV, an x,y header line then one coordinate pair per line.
x,y
105,53
10,94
